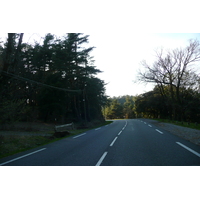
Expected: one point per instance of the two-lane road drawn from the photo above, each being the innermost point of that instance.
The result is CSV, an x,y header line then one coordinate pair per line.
x,y
133,142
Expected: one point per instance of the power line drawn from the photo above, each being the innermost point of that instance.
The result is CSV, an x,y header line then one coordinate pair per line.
x,y
38,83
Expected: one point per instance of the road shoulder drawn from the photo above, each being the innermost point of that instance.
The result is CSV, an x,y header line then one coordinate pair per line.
x,y
189,134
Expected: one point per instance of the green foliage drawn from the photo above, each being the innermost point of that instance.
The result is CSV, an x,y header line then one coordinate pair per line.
x,y
184,124
11,111
120,107
150,104
56,79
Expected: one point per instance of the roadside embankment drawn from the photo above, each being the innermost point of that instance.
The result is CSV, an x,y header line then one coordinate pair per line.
x,y
190,134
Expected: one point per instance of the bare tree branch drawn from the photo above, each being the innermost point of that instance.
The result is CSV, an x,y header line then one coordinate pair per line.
x,y
173,69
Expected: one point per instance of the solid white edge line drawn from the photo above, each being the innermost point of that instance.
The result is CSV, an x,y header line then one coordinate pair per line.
x,y
159,131
79,135
192,151
113,141
21,157
101,159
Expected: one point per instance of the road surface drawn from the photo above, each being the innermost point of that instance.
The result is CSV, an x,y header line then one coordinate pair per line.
x,y
133,142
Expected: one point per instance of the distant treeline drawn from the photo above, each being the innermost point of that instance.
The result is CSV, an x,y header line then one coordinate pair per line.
x,y
121,107
154,105
55,79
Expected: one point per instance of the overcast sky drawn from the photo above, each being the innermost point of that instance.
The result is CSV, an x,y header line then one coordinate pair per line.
x,y
121,31
119,55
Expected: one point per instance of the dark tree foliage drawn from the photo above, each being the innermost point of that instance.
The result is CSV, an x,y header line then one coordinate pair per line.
x,y
154,105
177,84
151,105
56,79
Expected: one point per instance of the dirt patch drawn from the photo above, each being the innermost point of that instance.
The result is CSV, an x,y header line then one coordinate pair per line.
x,y
61,134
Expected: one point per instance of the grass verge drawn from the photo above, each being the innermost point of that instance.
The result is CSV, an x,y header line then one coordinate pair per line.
x,y
184,124
12,144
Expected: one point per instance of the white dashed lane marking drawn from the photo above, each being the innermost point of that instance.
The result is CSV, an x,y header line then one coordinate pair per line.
x,y
79,135
101,159
159,131
113,141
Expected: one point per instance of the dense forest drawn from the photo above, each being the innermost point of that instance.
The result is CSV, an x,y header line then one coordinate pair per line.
x,y
153,104
56,79
52,80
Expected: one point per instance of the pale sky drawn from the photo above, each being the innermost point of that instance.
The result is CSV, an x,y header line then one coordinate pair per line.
x,y
119,54
121,31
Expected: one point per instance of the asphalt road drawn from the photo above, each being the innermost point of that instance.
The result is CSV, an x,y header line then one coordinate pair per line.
x,y
133,142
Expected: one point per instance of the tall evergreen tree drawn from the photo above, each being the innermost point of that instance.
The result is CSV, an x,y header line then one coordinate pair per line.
x,y
55,79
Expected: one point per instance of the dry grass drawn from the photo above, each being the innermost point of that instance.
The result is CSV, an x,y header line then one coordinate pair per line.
x,y
10,144
14,143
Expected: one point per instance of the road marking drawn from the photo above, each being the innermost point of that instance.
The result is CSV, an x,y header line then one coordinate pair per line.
x,y
113,142
124,126
149,125
159,131
145,122
192,151
97,129
22,157
101,159
79,135
119,132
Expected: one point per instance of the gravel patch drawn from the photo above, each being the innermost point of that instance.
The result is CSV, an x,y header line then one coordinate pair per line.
x,y
192,135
